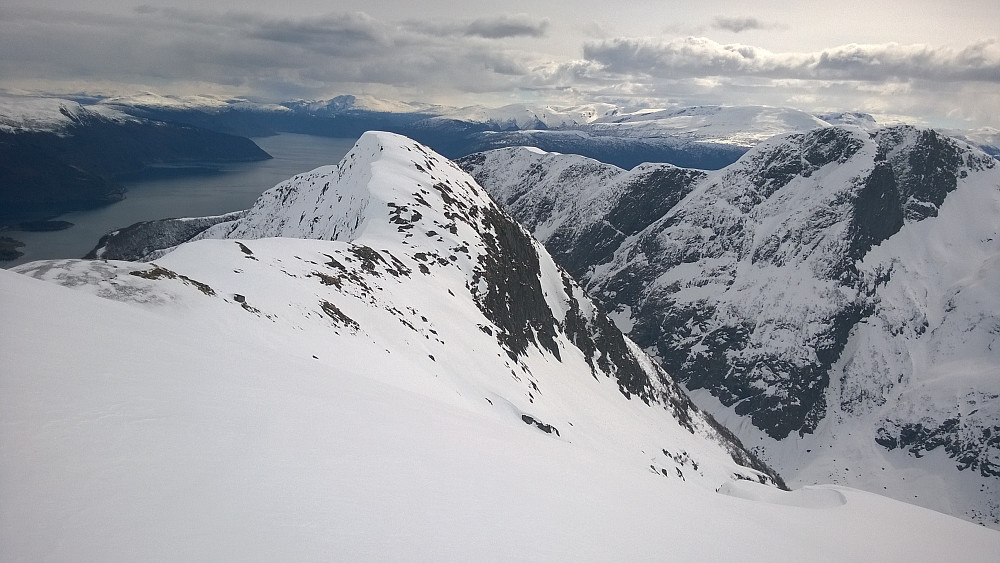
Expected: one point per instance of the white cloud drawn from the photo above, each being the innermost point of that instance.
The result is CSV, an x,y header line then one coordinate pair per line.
x,y
473,60
738,24
700,56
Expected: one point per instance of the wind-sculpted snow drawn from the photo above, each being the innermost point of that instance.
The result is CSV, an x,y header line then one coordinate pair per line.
x,y
830,283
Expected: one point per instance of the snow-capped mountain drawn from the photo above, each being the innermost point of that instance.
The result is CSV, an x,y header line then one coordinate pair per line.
x,y
986,139
525,116
865,121
19,114
438,224
376,362
742,126
582,209
337,104
833,291
707,137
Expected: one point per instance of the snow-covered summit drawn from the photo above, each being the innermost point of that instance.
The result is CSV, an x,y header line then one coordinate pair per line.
x,y
866,121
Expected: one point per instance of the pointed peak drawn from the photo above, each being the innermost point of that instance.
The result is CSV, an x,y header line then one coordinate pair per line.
x,y
387,186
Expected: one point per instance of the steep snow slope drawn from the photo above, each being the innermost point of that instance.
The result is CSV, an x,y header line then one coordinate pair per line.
x,y
833,289
190,429
414,381
392,195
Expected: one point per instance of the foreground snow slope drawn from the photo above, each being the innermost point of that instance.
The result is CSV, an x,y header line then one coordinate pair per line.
x,y
189,429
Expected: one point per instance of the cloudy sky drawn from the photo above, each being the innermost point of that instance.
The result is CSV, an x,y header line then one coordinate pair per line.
x,y
931,61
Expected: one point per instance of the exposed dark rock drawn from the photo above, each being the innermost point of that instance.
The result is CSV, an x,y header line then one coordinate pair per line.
x,y
9,249
513,299
971,447
547,428
338,316
159,273
140,239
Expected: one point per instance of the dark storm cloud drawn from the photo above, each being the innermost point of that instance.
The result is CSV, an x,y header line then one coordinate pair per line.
x,y
356,30
499,27
701,57
494,27
738,24
285,56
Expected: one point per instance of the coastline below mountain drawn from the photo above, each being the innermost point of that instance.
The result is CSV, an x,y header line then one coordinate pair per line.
x,y
58,156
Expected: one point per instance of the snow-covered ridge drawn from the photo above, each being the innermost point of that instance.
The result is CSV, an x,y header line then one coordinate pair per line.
x,y
214,104
400,222
36,114
581,208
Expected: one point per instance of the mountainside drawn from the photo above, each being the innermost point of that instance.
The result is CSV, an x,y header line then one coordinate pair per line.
x,y
831,290
381,364
390,191
743,126
57,155
581,208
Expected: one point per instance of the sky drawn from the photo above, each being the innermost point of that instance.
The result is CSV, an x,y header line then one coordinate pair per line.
x,y
930,62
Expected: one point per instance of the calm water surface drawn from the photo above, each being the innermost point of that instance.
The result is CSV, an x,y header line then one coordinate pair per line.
x,y
231,187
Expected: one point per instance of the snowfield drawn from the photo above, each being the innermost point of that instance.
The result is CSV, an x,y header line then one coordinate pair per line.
x,y
180,434
337,375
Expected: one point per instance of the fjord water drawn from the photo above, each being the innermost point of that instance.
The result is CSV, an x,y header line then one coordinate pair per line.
x,y
213,190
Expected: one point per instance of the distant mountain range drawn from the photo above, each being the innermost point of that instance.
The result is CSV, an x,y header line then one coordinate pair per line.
x,y
57,154
704,137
